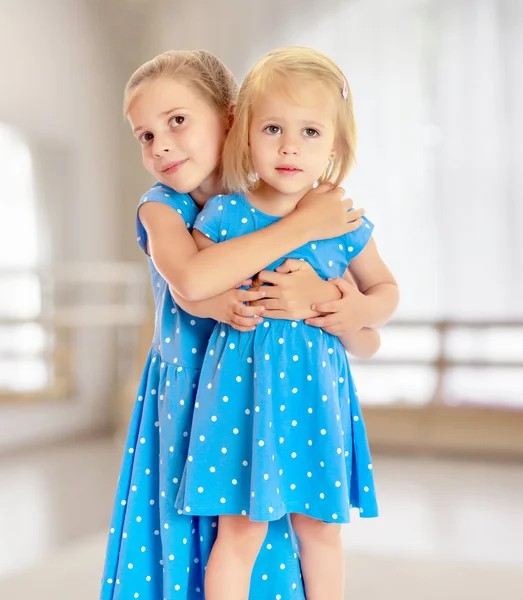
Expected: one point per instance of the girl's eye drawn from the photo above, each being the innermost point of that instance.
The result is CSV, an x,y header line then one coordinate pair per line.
x,y
273,129
309,132
177,121
145,137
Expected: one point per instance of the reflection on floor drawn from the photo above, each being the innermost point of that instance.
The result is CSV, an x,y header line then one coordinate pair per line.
x,y
449,529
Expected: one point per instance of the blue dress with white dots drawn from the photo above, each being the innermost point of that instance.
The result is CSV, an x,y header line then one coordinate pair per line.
x,y
154,550
277,426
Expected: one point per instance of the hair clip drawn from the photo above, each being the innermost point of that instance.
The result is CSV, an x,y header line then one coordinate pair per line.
x,y
345,91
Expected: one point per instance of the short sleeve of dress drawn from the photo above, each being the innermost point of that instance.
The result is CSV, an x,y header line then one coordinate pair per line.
x,y
209,221
183,204
358,239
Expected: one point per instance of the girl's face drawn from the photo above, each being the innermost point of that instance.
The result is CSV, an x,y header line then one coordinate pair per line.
x,y
181,135
292,142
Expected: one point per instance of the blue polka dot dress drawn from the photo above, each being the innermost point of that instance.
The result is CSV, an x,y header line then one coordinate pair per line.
x,y
156,551
277,426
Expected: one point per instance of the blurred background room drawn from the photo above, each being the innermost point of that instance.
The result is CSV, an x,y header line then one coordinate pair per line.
x,y
437,87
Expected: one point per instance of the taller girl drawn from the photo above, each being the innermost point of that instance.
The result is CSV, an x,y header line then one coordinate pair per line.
x,y
179,107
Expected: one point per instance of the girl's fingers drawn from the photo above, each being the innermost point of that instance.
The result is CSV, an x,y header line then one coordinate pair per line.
x,y
270,277
290,266
354,214
323,322
246,283
240,328
248,311
245,322
333,306
250,295
267,303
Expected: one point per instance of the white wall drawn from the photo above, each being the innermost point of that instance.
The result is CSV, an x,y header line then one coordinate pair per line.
x,y
61,91
436,86
64,64
238,32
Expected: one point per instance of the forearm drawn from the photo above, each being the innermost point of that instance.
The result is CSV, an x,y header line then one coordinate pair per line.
x,y
220,267
363,343
198,308
382,303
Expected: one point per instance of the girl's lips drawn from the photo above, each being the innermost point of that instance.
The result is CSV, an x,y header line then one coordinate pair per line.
x,y
288,170
173,167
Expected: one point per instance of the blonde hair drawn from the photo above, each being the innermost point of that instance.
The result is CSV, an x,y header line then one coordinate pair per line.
x,y
200,69
279,70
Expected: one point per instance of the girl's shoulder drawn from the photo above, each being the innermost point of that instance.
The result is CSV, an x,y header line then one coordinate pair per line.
x,y
222,200
163,194
218,206
357,240
218,215
160,193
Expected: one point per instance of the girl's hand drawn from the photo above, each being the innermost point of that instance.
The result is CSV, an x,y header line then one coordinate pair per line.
x,y
344,316
295,285
228,307
326,214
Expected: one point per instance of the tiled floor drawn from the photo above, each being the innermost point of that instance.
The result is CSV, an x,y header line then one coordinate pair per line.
x,y
449,529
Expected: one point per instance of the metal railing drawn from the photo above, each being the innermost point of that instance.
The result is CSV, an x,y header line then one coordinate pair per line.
x,y
68,299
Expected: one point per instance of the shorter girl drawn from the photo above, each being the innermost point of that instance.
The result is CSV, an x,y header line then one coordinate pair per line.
x,y
277,426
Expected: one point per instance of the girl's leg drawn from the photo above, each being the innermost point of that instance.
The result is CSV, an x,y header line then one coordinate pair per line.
x,y
232,559
321,558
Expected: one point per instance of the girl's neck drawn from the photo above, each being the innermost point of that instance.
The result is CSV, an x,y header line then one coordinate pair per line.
x,y
271,201
209,188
